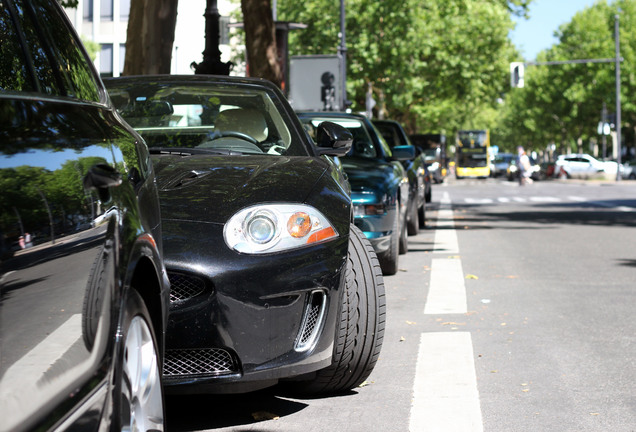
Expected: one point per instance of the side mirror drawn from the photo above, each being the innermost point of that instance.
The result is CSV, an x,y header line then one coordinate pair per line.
x,y
403,152
333,139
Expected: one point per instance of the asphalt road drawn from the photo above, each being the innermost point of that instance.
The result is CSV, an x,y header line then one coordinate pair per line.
x,y
512,311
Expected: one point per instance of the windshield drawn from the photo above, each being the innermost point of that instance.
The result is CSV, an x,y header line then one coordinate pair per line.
x,y
219,117
472,138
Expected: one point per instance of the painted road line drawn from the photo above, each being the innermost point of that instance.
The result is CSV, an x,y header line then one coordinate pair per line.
x,y
445,395
447,292
545,199
445,235
478,200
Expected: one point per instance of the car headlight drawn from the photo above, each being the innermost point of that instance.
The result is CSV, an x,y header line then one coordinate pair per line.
x,y
269,228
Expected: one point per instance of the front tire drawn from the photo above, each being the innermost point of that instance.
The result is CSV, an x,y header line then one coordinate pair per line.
x,y
360,330
421,216
404,242
412,223
138,393
389,259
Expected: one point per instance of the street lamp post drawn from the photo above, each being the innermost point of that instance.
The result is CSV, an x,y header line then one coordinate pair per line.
x,y
211,63
342,51
618,97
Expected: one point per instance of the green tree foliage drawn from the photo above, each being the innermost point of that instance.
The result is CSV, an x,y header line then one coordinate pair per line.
x,y
432,64
562,104
26,188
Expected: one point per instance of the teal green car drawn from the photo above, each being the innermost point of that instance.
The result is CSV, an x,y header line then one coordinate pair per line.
x,y
379,184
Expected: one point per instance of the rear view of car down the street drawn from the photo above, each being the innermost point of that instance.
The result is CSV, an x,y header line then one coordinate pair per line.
x,y
84,294
270,279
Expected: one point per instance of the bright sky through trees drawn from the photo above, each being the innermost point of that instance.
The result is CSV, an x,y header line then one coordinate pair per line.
x,y
537,33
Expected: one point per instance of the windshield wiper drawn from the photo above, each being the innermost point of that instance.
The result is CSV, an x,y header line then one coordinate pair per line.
x,y
180,151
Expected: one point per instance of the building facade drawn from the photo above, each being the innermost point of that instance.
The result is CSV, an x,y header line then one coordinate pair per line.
x,y
105,22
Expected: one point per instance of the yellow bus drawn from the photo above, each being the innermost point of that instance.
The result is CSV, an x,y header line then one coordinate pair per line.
x,y
472,153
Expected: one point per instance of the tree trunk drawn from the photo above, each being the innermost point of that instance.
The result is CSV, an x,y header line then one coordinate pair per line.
x,y
150,37
260,40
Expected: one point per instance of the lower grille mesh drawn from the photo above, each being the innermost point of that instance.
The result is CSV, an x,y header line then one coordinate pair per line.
x,y
183,287
206,361
312,320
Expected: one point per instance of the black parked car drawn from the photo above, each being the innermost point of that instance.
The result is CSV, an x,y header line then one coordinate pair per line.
x,y
419,177
379,184
270,278
82,313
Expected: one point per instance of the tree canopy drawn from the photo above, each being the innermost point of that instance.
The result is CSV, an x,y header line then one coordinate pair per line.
x,y
562,104
433,65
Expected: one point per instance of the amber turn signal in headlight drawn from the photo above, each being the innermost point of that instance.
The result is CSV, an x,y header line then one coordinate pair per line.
x,y
299,225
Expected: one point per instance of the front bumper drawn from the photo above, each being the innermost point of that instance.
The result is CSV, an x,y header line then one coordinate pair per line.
x,y
241,322
378,229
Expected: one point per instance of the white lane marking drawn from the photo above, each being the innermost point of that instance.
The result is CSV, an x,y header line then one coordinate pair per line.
x,y
503,199
542,199
478,200
447,292
445,235
605,204
445,394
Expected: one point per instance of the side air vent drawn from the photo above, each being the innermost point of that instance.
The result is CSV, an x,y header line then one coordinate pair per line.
x,y
312,321
184,286
206,361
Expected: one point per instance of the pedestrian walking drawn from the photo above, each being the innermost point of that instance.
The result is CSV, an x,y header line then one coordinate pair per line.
x,y
523,167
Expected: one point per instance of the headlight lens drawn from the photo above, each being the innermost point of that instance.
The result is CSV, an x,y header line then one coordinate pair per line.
x,y
272,228
261,228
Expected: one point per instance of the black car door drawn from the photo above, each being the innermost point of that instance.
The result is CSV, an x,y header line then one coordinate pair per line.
x,y
58,223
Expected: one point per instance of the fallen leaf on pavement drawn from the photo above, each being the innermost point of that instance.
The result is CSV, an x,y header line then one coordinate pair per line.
x,y
264,415
471,276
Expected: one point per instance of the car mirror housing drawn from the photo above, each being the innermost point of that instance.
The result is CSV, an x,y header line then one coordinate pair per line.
x,y
403,152
333,139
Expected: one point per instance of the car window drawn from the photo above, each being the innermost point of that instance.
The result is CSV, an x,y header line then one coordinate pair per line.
x,y
390,134
14,75
59,66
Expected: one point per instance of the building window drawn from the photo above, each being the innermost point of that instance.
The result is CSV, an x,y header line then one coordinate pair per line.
x,y
106,60
106,10
122,58
88,10
124,10
224,30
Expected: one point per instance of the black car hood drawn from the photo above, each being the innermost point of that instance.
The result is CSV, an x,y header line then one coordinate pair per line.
x,y
210,188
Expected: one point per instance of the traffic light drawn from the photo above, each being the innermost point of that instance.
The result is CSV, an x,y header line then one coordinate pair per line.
x,y
517,72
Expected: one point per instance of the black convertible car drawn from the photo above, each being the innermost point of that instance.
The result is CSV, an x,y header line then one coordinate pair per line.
x,y
270,279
